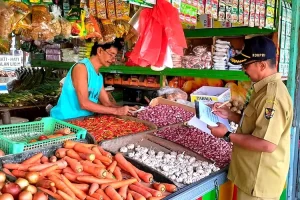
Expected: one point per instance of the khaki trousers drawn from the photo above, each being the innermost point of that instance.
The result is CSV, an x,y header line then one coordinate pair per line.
x,y
243,196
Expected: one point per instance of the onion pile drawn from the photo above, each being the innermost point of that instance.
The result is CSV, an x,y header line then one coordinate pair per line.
x,y
164,115
210,147
20,189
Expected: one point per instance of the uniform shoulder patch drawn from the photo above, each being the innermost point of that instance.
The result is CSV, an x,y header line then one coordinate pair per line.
x,y
269,113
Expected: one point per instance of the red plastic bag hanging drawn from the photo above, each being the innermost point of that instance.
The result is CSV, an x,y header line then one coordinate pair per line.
x,y
158,28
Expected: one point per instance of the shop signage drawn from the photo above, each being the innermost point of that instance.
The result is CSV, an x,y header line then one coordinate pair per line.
x,y
10,61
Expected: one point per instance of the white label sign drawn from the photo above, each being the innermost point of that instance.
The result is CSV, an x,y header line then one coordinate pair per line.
x,y
10,61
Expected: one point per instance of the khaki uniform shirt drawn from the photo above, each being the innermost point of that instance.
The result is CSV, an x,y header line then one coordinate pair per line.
x,y
268,116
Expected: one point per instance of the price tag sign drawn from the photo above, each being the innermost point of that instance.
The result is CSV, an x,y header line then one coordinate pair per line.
x,y
10,61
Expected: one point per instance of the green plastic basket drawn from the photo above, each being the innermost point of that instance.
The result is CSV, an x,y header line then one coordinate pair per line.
x,y
14,138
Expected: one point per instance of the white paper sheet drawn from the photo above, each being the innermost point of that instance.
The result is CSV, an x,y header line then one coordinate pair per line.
x,y
207,118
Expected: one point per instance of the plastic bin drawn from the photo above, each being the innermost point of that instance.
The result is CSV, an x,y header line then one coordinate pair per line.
x,y
14,138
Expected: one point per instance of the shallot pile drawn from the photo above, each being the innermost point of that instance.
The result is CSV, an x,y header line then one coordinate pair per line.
x,y
164,115
208,146
177,166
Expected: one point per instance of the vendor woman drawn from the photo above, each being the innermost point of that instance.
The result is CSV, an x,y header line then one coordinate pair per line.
x,y
83,86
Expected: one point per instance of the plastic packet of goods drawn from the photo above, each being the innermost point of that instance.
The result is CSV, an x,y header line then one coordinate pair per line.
x,y
101,9
175,93
92,7
222,10
40,14
222,46
53,57
53,51
109,33
222,50
110,9
198,50
42,32
66,28
222,54
55,23
6,15
220,57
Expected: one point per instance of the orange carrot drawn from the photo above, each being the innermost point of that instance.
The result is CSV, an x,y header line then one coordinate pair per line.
x,y
65,196
73,154
53,159
129,196
95,171
80,194
53,189
90,198
61,152
56,196
61,165
110,175
98,162
44,159
100,157
48,170
104,153
120,159
7,172
84,187
69,144
92,179
105,197
136,196
154,193
59,171
79,148
71,171
60,185
17,166
146,177
156,198
74,164
87,156
45,183
97,196
159,186
170,187
18,173
112,166
71,177
64,131
140,190
33,159
118,184
93,188
55,174
112,193
89,163
123,191
118,173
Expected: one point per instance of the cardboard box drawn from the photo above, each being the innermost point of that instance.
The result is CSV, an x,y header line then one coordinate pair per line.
x,y
162,101
209,95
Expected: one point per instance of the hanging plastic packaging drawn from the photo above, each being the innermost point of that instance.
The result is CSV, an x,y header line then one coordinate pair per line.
x,y
158,28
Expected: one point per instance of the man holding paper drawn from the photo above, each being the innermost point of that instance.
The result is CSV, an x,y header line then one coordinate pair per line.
x,y
261,144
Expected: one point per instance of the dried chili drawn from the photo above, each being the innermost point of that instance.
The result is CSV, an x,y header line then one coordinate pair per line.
x,y
109,127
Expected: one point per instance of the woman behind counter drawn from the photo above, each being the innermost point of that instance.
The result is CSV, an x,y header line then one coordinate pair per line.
x,y
83,86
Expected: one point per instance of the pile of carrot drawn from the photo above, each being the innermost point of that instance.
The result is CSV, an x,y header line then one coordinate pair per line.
x,y
86,171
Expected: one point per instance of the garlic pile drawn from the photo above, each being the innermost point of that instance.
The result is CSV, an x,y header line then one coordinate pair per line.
x,y
177,166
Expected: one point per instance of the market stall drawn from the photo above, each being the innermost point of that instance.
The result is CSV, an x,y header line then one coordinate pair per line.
x,y
165,80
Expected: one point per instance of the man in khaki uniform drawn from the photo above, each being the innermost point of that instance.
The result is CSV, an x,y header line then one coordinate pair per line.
x,y
261,144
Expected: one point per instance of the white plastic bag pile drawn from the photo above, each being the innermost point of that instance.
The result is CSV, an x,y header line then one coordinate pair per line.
x,y
221,54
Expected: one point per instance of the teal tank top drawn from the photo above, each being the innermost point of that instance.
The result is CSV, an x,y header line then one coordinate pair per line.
x,y
68,106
